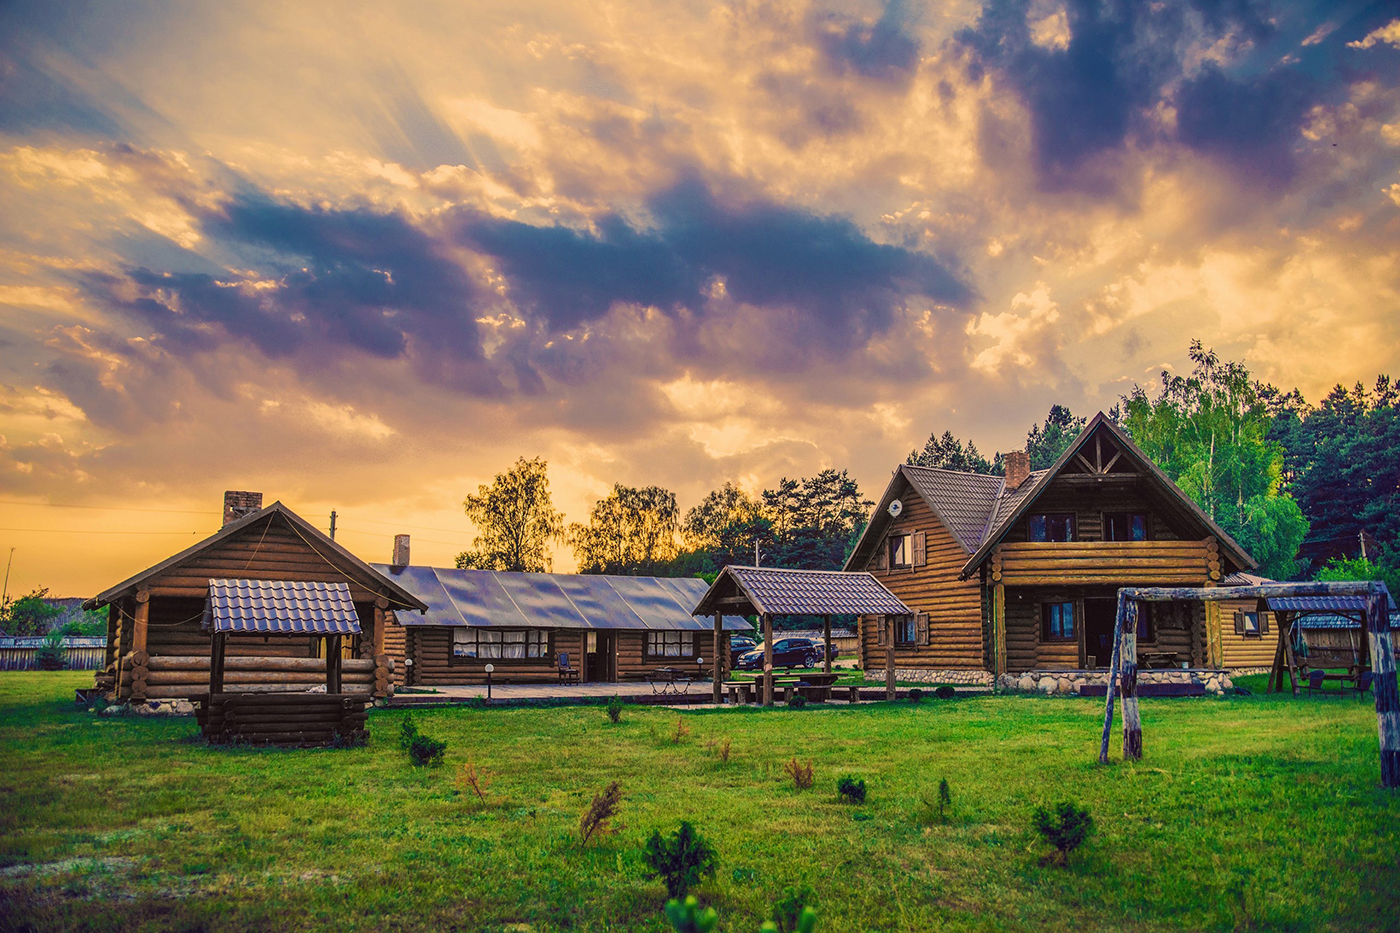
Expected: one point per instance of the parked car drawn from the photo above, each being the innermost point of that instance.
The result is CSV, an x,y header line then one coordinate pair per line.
x,y
740,645
787,652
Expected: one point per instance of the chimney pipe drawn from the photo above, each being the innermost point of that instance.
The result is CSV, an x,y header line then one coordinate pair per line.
x,y
1018,468
400,550
238,504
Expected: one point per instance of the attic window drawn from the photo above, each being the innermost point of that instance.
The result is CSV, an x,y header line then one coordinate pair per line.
x,y
1124,526
901,551
1051,527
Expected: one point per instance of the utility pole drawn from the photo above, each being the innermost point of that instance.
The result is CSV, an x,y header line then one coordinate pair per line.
x,y
5,593
755,552
332,524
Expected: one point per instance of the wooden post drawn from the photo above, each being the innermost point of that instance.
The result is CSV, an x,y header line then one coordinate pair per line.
x,y
1215,647
716,693
826,636
381,660
1289,656
1112,677
1132,724
139,657
1383,684
999,629
767,659
332,663
216,664
889,660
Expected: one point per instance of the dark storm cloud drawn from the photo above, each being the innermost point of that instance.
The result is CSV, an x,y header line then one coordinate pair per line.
x,y
1122,60
1251,125
883,50
324,281
825,269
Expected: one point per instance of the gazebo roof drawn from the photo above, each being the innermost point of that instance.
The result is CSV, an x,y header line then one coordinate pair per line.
x,y
280,607
779,591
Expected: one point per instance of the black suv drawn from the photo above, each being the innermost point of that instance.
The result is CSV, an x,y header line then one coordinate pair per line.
x,y
787,652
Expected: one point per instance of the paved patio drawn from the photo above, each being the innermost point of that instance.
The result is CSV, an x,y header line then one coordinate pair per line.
x,y
698,695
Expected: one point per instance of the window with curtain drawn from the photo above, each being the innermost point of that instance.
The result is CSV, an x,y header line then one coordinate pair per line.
x,y
1058,526
499,644
670,644
1058,621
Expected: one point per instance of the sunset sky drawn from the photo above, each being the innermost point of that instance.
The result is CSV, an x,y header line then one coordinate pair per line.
x,y
362,256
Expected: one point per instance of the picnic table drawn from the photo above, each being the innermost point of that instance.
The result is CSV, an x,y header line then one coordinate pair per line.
x,y
675,680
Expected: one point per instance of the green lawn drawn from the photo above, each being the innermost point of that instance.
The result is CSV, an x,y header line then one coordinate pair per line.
x,y
1247,813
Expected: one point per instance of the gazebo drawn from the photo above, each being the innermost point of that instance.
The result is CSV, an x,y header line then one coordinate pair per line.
x,y
258,713
769,591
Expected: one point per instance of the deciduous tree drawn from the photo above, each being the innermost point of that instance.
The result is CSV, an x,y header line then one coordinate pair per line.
x,y
632,531
516,520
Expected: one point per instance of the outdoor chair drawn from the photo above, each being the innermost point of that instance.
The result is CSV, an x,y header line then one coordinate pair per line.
x,y
1364,681
1315,679
567,674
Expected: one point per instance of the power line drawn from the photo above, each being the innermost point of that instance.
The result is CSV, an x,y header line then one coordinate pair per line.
x,y
108,508
451,531
82,531
384,534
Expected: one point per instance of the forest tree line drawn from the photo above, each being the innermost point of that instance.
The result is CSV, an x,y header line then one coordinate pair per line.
x,y
1309,490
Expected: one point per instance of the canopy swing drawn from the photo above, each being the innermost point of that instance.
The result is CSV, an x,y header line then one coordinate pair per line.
x,y
1123,665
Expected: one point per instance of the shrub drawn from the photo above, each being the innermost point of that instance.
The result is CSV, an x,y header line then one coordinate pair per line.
x,y
469,779
722,749
797,700
1065,827
408,731
791,906
801,775
426,751
682,859
916,695
688,917
477,702
945,799
682,730
51,653
614,708
945,692
851,789
936,806
597,819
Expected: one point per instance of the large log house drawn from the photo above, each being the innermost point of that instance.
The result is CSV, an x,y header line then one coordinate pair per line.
x,y
1020,574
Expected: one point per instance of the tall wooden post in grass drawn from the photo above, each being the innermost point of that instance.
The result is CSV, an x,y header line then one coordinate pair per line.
x,y
716,694
767,659
1132,725
826,637
1114,657
1387,694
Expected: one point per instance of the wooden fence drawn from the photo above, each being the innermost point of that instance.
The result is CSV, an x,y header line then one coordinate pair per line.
x,y
81,652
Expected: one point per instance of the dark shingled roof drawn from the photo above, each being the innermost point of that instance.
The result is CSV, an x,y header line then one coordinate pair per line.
x,y
963,500
280,607
780,591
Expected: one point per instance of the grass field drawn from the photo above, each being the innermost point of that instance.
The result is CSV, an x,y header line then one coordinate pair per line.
x,y
1246,813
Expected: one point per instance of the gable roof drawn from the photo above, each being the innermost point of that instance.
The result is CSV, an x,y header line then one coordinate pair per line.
x,y
498,599
354,568
978,510
783,591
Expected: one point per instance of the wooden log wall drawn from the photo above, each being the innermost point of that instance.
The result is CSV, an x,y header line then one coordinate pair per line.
x,y
434,665
955,632
1088,505
182,677
1144,563
300,719
1246,650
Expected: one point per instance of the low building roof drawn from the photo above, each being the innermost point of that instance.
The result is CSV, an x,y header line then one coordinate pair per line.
x,y
781,591
280,607
497,599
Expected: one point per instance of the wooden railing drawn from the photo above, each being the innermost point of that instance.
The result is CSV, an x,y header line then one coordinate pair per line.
x,y
1026,563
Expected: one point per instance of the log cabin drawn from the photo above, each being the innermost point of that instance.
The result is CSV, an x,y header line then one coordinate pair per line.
x,y
159,648
611,628
1020,573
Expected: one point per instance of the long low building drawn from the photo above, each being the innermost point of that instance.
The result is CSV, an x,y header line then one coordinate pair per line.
x,y
611,627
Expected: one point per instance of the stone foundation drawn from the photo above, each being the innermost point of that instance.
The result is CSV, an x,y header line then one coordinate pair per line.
x,y
1069,682
151,708
920,676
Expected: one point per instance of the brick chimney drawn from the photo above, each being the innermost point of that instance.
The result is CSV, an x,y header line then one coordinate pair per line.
x,y
238,504
1018,468
400,551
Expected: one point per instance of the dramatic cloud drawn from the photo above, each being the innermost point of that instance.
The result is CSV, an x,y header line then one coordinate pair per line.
x,y
363,260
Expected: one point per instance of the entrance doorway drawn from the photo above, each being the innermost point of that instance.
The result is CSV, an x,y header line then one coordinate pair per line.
x,y
1099,618
600,660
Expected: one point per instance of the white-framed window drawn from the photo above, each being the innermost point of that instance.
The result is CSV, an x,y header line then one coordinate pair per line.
x,y
500,644
670,644
901,551
1251,624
